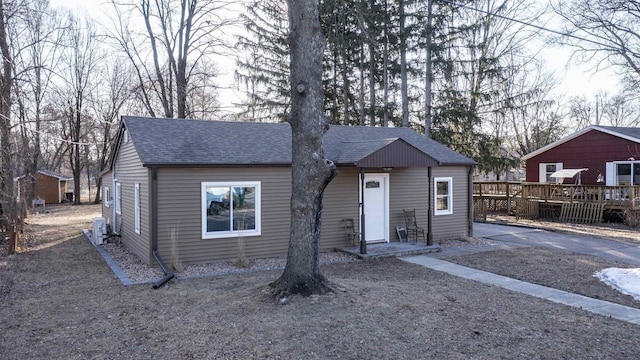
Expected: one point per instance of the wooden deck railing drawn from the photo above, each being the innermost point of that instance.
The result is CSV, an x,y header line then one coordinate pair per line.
x,y
504,188
627,197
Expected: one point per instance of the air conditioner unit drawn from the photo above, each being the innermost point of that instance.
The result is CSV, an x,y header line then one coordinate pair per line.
x,y
99,230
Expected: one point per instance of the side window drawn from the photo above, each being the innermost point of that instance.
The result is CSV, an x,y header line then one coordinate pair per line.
x,y
107,197
443,189
118,198
230,209
136,210
546,170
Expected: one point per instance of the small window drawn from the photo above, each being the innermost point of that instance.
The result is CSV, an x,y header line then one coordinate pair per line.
x,y
107,197
443,196
136,204
118,198
230,209
372,185
547,169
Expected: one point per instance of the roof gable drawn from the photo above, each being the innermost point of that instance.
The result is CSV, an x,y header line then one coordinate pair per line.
x,y
183,142
627,133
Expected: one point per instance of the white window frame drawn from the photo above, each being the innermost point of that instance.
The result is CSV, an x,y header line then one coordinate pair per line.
x,y
107,197
449,210
136,207
613,172
117,198
231,233
543,174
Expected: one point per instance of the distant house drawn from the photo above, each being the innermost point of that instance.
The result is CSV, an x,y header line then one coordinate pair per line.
x,y
193,189
51,187
611,156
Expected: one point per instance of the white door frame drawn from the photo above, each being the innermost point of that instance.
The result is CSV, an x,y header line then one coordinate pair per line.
x,y
386,205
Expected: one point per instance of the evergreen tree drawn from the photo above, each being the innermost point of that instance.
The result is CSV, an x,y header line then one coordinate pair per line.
x,y
264,72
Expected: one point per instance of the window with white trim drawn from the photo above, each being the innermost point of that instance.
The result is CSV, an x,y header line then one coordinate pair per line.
x,y
230,209
443,189
118,198
107,197
546,170
136,208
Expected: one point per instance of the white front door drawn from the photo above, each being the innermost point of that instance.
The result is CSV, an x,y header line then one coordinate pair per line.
x,y
376,207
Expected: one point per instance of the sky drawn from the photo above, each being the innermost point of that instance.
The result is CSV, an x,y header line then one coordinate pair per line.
x,y
574,79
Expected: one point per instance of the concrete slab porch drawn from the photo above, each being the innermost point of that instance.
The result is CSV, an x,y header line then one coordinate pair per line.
x,y
390,249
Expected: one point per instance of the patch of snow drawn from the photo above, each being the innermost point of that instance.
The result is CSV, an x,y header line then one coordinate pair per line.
x,y
627,281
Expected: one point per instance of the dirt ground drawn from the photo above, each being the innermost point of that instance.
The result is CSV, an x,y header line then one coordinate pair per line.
x,y
59,299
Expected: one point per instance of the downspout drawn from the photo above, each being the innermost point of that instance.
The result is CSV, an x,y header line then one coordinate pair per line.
x,y
470,201
363,241
153,230
429,210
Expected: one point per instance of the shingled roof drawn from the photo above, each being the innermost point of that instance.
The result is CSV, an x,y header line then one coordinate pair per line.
x,y
183,142
628,133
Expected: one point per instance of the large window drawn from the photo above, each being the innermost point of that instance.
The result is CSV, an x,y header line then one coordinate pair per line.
x,y
443,195
627,173
136,209
230,209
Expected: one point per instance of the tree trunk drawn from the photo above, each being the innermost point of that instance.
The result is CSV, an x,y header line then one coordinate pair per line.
x,y
403,66
428,71
310,171
6,83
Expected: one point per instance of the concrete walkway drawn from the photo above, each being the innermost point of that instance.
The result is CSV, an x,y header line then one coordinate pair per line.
x,y
605,308
510,237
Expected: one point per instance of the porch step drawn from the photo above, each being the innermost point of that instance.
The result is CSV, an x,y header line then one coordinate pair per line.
x,y
393,249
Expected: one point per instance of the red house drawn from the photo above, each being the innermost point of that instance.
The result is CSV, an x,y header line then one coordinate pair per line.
x,y
610,154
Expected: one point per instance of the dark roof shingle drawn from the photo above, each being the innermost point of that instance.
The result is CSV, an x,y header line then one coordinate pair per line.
x,y
167,142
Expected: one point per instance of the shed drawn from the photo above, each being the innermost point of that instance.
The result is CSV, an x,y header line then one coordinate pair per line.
x,y
610,154
50,186
193,189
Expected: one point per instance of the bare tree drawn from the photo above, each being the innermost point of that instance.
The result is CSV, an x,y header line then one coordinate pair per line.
x,y
80,65
41,40
178,35
604,31
106,106
619,110
6,85
310,171
581,112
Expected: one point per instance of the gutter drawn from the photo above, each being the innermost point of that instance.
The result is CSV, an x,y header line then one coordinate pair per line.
x,y
168,274
470,203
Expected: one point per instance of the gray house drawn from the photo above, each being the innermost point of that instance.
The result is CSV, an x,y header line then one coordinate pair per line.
x,y
191,189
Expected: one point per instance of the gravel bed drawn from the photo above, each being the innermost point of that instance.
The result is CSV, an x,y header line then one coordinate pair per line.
x,y
139,272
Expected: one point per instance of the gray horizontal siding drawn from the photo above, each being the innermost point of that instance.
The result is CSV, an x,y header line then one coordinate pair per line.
x,y
107,212
453,226
128,171
179,209
340,202
179,212
408,189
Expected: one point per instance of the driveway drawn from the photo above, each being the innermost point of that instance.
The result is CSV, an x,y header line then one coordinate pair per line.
x,y
590,245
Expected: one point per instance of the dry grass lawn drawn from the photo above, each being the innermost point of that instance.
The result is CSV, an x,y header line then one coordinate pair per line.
x,y
59,300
